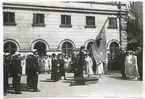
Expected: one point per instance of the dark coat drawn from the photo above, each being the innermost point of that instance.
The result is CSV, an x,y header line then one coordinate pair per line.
x,y
16,66
34,65
81,58
61,67
55,70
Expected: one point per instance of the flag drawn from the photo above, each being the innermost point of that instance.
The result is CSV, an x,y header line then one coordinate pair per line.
x,y
99,49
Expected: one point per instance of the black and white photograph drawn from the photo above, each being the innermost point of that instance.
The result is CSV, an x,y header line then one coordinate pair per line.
x,y
72,49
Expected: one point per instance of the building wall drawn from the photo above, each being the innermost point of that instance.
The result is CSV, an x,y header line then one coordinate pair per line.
x,y
52,34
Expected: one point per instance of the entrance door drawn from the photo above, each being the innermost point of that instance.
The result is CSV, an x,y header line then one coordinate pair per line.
x,y
114,50
41,47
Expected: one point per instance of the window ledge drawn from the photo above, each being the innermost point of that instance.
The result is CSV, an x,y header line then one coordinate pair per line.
x,y
38,25
67,26
10,24
112,27
90,26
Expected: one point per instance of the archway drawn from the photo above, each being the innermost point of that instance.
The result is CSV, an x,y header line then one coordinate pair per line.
x,y
41,47
10,47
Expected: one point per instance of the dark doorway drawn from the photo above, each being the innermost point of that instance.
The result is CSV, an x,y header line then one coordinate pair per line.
x,y
41,47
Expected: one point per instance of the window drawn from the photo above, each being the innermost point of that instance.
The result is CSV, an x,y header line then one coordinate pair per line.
x,y
38,20
65,21
90,22
10,47
67,48
9,18
112,23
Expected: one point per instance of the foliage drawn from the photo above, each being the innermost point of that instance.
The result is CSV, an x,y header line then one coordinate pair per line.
x,y
135,22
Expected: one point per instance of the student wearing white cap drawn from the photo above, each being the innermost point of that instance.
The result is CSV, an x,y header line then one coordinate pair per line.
x,y
6,67
35,70
16,72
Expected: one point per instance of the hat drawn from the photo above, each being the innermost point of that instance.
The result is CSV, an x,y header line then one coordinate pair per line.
x,y
34,50
139,48
6,54
53,55
17,53
82,47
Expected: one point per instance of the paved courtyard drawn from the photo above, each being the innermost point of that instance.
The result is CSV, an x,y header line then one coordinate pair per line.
x,y
111,85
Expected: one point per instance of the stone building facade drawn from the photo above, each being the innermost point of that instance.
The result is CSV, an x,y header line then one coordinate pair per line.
x,y
60,26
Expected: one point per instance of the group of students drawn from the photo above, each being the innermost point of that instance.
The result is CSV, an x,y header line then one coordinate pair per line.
x,y
131,62
13,68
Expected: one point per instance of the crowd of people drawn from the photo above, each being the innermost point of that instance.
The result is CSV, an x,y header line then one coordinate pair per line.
x,y
81,64
131,63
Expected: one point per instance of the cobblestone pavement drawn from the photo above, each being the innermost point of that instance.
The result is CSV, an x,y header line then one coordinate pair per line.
x,y
108,86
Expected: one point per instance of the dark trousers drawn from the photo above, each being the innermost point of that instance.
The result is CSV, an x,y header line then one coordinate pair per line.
x,y
123,71
35,82
29,80
5,81
140,70
17,80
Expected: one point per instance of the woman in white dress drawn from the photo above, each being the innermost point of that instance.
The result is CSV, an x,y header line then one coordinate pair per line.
x,y
100,68
133,73
23,64
66,63
89,65
46,64
128,63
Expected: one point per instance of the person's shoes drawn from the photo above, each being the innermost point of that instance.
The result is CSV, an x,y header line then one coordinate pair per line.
x,y
36,90
18,92
5,94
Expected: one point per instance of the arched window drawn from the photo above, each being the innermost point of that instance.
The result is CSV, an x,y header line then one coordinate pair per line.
x,y
89,45
114,49
10,47
41,47
67,48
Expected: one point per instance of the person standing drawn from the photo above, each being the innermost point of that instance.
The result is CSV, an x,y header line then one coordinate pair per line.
x,y
23,64
17,72
6,64
55,68
61,67
81,61
89,65
139,54
35,70
100,68
122,56
134,68
28,70
128,63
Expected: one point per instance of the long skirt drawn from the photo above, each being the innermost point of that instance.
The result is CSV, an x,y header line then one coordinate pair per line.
x,y
127,69
134,71
100,69
55,74
89,70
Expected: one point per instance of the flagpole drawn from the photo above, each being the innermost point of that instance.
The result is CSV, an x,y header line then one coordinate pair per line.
x,y
100,30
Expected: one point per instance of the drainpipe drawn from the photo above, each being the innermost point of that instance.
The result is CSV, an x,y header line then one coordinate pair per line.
x,y
119,16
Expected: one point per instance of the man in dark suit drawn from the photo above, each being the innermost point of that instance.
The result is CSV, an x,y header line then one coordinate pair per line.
x,y
6,64
139,54
16,71
81,61
35,70
122,55
28,70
